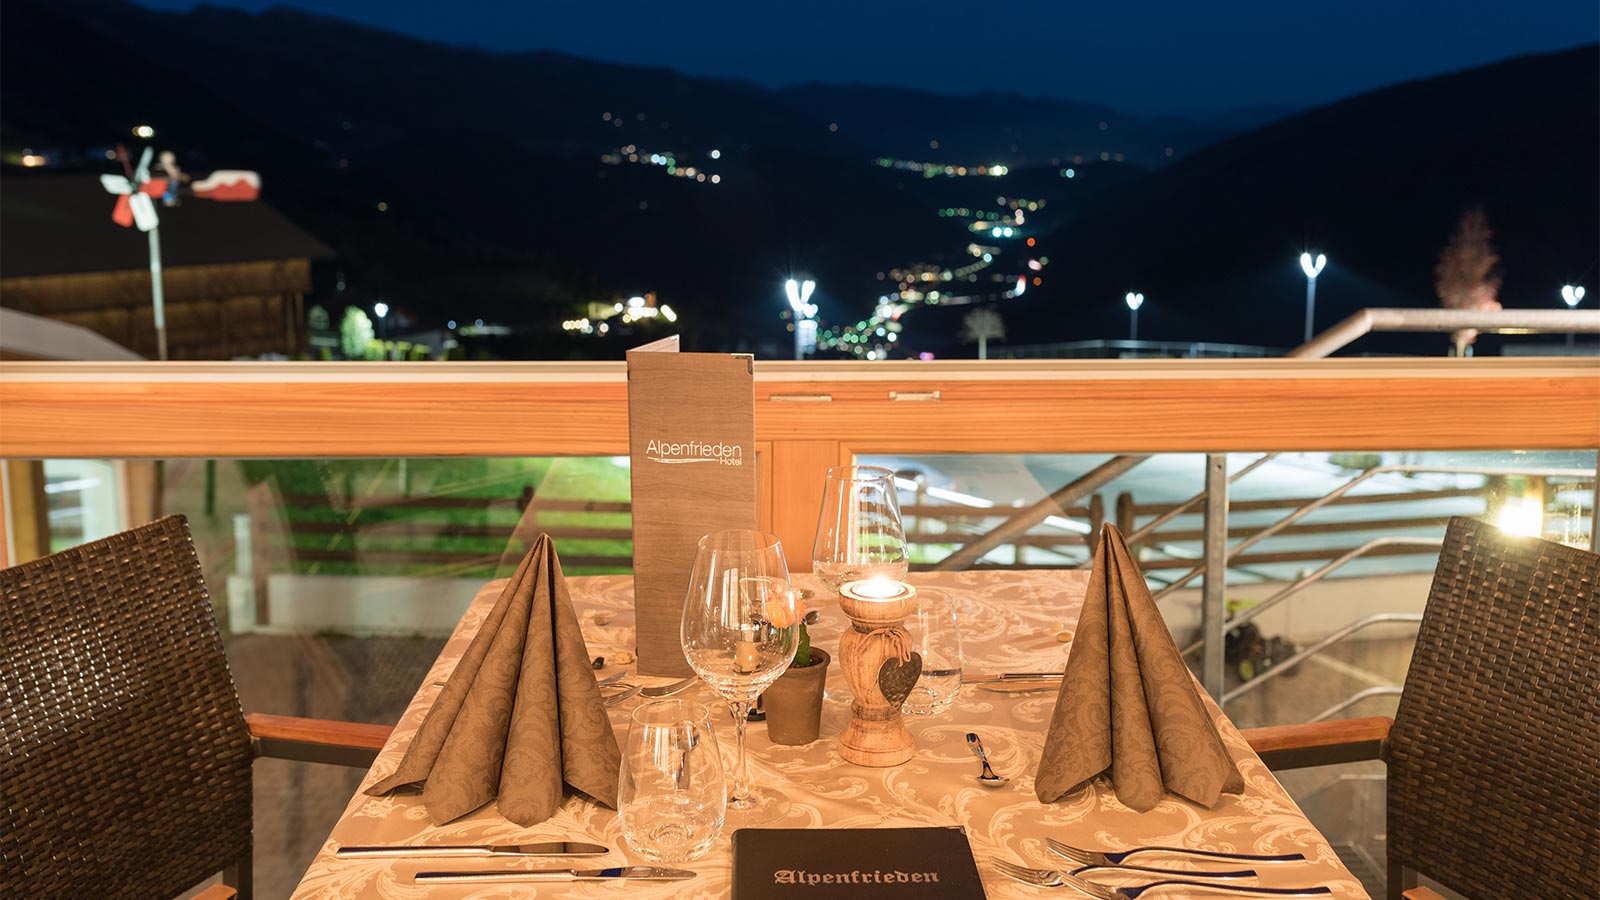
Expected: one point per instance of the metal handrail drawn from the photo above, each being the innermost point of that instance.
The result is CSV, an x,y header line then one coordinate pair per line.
x,y
1386,690
1319,646
1494,321
1292,589
1306,509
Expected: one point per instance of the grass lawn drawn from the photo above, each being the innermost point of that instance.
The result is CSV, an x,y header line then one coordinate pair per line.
x,y
361,498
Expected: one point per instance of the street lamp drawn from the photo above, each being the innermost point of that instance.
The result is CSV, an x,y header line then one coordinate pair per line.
x,y
1134,302
1312,268
1572,295
382,310
805,312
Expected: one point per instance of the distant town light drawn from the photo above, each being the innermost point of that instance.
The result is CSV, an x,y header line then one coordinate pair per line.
x,y
716,154
635,302
1134,301
32,160
381,308
144,132
451,324
1571,294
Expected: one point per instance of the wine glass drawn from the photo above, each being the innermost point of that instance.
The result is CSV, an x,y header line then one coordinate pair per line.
x,y
740,626
859,532
936,633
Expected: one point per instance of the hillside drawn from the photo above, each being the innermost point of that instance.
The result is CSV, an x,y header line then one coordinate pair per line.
x,y
1376,181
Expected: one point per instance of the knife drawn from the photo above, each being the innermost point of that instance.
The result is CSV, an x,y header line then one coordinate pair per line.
x,y
641,873
552,848
1010,676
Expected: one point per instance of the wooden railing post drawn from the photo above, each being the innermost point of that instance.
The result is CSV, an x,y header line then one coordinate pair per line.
x,y
798,469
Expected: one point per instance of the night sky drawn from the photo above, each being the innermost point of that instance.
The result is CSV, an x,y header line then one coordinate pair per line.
x,y
1181,58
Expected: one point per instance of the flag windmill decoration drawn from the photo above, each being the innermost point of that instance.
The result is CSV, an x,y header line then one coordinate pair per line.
x,y
135,207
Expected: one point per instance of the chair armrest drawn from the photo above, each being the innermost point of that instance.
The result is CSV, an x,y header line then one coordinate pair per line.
x,y
1421,893
317,740
1320,743
223,892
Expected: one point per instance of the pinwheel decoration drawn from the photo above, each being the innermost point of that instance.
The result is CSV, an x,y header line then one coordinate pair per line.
x,y
135,192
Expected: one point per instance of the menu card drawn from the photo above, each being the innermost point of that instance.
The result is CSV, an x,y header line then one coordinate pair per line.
x,y
852,863
692,441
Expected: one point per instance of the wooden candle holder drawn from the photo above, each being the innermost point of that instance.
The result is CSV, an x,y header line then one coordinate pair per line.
x,y
876,735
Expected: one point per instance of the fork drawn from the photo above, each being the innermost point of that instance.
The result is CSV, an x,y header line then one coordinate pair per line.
x,y
667,690
629,690
1053,878
1115,858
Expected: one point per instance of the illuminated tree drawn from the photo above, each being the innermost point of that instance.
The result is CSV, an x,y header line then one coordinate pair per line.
x,y
1467,275
979,326
355,333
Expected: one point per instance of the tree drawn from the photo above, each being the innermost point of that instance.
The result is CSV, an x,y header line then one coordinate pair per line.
x,y
979,326
355,333
1467,275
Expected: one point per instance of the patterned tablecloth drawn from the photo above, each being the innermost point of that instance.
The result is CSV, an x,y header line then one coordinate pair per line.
x,y
1009,622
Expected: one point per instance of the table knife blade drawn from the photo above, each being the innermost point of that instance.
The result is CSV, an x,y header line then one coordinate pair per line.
x,y
550,848
638,873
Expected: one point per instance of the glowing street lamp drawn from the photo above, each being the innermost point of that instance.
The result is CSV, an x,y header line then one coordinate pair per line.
x,y
1134,302
1312,268
1572,295
805,315
382,310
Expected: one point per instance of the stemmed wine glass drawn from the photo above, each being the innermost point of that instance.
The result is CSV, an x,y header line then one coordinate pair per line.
x,y
859,532
740,625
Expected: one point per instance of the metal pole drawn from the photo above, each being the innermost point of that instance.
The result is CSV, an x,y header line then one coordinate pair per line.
x,y
1213,599
1133,324
799,353
156,295
1311,305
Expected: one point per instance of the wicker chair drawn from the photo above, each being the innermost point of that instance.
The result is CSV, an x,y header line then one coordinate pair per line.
x,y
1494,754
126,756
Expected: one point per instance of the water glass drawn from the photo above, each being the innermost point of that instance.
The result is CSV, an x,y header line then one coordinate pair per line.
x,y
936,634
671,797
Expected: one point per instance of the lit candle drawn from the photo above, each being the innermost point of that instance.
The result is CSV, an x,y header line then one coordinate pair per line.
x,y
746,656
879,588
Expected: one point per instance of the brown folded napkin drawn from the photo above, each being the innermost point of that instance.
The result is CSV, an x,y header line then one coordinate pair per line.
x,y
1128,703
521,715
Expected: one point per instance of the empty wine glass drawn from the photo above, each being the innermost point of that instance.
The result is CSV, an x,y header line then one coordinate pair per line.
x,y
859,532
671,797
740,625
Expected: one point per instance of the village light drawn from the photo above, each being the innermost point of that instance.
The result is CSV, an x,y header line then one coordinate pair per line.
x,y
1312,268
1134,301
805,312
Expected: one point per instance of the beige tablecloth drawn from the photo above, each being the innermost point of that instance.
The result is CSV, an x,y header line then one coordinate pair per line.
x,y
1009,622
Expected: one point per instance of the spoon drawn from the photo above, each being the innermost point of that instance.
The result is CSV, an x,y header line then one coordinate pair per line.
x,y
987,777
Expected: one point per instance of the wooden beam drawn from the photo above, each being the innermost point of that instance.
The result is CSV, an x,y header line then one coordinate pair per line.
x,y
301,410
28,508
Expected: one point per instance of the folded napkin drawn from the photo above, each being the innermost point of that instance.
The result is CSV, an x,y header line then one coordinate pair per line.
x,y
521,715
1128,702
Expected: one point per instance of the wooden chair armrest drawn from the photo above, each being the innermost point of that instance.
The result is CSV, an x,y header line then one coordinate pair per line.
x,y
1320,743
317,740
216,892
1421,893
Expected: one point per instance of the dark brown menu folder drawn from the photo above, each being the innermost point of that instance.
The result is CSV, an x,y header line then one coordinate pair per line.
x,y
692,441
854,864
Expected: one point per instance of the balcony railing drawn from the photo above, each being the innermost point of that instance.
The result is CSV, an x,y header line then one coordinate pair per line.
x,y
809,416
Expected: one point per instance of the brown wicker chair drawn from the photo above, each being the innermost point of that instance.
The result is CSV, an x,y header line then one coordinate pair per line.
x,y
1494,754
126,757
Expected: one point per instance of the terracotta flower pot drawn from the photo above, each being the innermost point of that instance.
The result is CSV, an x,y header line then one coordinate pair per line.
x,y
794,702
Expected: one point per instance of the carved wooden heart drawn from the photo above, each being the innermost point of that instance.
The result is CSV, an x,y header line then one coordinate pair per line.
x,y
896,678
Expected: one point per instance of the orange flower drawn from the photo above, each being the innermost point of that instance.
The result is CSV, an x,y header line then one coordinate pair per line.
x,y
784,607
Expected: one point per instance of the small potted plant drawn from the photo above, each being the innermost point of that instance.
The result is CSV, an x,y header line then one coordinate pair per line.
x,y
794,702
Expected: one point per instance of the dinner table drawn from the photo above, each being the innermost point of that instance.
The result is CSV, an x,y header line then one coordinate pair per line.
x,y
1014,620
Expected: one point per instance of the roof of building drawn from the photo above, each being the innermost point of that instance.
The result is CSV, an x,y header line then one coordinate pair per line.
x,y
61,225
24,336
